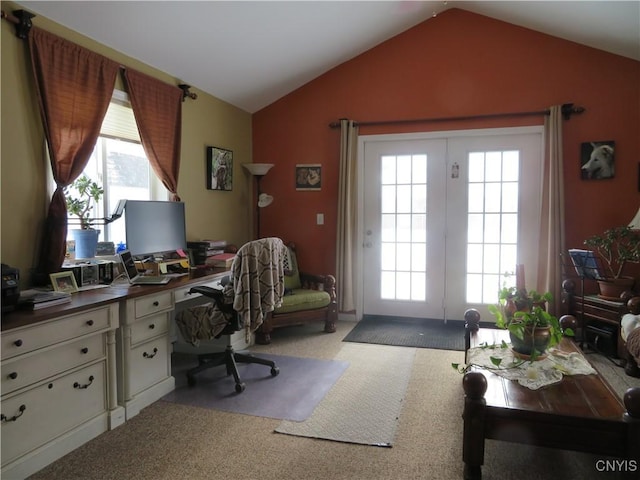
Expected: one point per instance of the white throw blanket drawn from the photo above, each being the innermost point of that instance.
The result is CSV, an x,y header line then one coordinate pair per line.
x,y
258,280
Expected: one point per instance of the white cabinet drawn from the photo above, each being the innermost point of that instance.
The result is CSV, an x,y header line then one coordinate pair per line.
x,y
58,387
144,361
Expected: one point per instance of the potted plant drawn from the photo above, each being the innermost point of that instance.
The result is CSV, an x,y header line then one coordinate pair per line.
x,y
531,328
80,197
616,247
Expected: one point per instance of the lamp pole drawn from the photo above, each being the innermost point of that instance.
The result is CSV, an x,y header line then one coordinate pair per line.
x,y
257,207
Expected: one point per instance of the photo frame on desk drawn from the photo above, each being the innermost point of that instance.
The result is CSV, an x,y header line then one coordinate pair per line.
x,y
64,282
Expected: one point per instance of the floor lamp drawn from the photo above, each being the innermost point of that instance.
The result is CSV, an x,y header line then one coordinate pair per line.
x,y
259,170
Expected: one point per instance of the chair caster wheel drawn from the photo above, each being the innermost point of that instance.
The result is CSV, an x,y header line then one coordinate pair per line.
x,y
275,371
191,381
240,387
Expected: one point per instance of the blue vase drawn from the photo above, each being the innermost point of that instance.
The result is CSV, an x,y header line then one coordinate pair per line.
x,y
86,243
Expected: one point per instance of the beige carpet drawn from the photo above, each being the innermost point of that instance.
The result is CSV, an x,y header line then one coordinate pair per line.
x,y
365,403
176,442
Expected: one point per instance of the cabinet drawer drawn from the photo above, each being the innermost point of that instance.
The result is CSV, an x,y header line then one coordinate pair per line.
x,y
149,327
52,409
24,340
148,364
153,304
28,369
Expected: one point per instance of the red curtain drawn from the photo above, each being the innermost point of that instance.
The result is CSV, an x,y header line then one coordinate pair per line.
x,y
74,88
157,108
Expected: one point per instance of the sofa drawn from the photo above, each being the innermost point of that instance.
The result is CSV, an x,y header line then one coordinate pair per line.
x,y
308,298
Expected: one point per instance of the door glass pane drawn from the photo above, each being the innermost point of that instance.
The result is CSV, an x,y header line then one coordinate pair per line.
x,y
492,222
403,220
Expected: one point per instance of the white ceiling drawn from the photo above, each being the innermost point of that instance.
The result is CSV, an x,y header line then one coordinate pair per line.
x,y
251,53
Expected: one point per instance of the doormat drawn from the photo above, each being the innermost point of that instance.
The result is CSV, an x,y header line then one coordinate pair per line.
x,y
291,395
364,406
408,332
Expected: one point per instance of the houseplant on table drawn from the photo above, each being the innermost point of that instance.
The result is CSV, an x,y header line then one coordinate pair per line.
x,y
531,328
80,197
616,247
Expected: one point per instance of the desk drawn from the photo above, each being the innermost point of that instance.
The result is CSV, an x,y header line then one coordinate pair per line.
x,y
73,371
580,413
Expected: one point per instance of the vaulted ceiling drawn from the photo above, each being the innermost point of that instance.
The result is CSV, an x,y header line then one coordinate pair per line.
x,y
250,53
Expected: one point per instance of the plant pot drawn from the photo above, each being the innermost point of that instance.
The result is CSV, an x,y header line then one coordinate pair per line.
x,y
86,242
612,289
533,340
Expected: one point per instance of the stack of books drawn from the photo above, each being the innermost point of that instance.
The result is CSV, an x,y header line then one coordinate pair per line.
x,y
222,260
37,299
215,247
203,251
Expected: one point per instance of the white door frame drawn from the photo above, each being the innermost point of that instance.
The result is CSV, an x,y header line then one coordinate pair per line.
x,y
363,139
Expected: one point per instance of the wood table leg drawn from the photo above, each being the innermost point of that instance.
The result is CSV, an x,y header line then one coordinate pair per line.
x,y
474,385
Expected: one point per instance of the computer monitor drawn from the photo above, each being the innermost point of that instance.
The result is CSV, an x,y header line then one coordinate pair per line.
x,y
154,227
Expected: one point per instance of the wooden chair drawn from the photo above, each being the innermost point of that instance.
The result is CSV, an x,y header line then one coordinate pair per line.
x,y
308,298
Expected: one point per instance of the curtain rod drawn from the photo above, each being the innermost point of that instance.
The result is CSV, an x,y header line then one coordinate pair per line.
x,y
22,20
567,110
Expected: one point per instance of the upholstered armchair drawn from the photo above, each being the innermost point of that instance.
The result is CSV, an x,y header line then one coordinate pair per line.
x,y
308,298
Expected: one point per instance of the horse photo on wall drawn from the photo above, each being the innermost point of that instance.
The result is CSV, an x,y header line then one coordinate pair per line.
x,y
597,160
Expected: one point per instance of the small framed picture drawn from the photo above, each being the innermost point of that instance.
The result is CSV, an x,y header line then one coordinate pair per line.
x,y
597,160
64,282
219,169
309,176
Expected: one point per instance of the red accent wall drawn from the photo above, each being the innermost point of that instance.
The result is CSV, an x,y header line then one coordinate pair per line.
x,y
455,64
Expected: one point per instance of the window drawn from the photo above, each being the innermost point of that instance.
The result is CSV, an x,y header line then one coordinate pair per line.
x,y
119,164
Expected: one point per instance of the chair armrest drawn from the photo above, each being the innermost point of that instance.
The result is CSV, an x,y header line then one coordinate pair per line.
x,y
319,282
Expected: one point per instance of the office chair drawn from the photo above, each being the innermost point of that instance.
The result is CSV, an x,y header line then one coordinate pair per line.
x,y
255,288
229,357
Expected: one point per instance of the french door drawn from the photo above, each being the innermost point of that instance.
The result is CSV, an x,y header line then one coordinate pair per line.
x,y
445,217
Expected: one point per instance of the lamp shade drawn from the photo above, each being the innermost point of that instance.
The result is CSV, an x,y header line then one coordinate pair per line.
x,y
635,223
264,200
257,168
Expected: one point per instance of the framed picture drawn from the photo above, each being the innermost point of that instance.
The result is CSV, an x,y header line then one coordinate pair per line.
x,y
219,169
64,282
309,176
597,161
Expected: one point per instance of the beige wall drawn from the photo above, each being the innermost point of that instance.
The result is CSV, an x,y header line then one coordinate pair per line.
x,y
207,121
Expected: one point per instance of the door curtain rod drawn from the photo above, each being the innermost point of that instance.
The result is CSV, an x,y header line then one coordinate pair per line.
x,y
567,110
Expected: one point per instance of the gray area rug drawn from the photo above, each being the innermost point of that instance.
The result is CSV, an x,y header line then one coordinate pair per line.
x,y
292,395
408,332
364,405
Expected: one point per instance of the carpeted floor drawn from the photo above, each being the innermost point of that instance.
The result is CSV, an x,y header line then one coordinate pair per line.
x,y
291,395
408,332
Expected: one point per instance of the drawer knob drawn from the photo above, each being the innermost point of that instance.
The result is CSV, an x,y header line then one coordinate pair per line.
x,y
86,385
85,350
152,326
18,343
156,303
13,375
90,322
21,410
150,355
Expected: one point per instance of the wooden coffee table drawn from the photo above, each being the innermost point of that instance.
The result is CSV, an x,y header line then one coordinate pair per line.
x,y
580,413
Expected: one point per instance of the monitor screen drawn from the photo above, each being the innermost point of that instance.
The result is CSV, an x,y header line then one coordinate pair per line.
x,y
154,227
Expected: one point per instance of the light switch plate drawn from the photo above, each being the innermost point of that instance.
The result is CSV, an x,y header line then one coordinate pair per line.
x,y
320,218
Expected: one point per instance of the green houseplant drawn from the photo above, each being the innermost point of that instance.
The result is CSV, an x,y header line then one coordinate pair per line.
x,y
80,197
531,328
616,247
86,193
